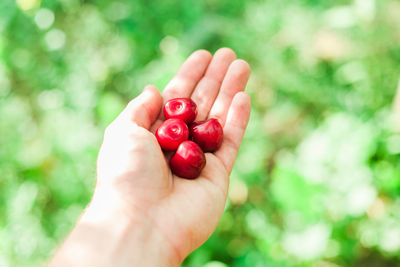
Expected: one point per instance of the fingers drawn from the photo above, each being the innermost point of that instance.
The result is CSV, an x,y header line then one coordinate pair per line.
x,y
188,76
234,82
207,89
235,126
144,109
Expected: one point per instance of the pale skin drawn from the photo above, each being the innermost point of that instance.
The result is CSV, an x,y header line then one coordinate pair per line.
x,y
141,214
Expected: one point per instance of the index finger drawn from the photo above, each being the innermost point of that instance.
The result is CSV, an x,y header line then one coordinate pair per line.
x,y
188,76
184,82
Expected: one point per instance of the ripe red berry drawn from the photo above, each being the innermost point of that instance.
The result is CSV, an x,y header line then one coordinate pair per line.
x,y
181,108
171,134
207,134
188,160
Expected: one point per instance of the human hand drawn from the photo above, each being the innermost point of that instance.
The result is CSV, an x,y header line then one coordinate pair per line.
x,y
136,194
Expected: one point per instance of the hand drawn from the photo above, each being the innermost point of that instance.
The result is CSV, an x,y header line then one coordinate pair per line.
x,y
171,216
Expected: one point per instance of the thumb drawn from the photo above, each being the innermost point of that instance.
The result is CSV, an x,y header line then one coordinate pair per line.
x,y
144,109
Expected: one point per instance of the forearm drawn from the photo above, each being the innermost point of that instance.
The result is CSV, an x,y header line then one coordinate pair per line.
x,y
106,236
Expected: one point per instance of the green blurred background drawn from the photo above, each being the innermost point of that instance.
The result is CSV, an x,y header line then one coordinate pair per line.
x,y
317,181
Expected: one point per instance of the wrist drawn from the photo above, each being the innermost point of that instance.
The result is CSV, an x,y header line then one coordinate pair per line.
x,y
135,237
121,237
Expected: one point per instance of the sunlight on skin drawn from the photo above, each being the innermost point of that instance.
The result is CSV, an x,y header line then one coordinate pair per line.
x,y
133,174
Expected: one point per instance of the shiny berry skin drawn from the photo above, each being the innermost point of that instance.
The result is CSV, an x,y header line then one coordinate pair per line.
x,y
171,134
188,160
180,108
207,134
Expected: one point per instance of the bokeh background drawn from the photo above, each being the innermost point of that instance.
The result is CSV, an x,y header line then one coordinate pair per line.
x,y
317,181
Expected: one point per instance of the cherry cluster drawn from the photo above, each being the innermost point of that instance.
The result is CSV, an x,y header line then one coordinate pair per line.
x,y
188,139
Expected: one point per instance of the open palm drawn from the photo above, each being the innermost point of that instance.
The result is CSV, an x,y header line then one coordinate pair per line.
x,y
131,162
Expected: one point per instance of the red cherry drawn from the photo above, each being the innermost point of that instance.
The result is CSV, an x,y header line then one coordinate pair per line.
x,y
188,161
171,134
181,108
207,134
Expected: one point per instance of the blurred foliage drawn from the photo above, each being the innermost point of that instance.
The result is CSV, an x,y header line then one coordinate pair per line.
x,y
317,181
